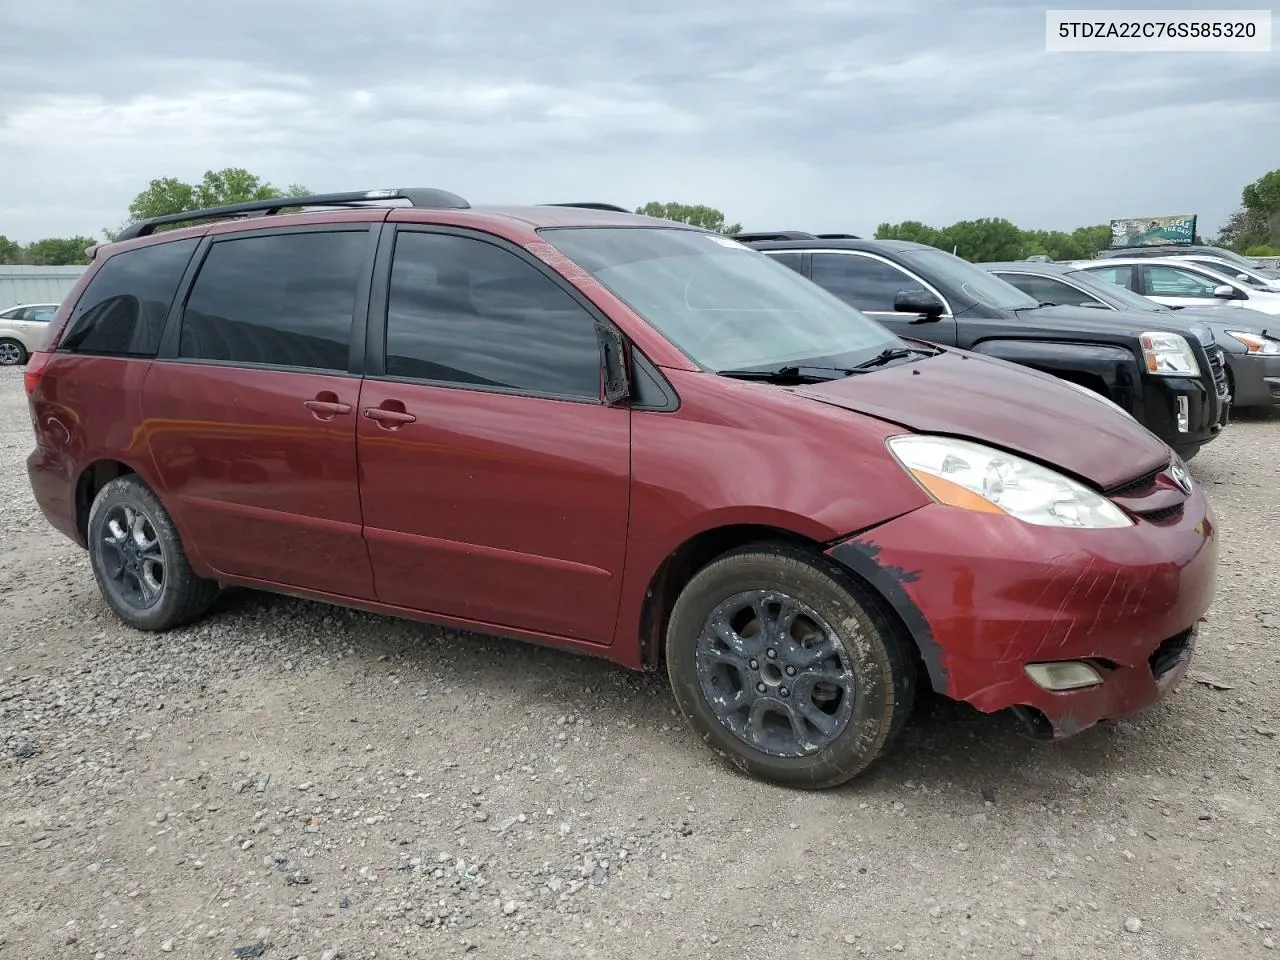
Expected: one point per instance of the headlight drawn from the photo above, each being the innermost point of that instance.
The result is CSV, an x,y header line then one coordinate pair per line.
x,y
1100,398
964,474
1169,355
1253,343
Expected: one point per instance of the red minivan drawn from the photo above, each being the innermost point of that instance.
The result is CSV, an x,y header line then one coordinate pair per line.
x,y
622,436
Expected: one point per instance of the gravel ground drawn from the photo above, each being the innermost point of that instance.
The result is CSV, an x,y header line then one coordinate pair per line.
x,y
305,781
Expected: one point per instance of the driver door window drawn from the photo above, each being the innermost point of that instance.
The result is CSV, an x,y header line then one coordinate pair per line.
x,y
862,282
1163,281
1049,290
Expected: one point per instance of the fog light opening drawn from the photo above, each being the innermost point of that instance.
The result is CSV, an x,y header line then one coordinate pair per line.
x,y
1064,675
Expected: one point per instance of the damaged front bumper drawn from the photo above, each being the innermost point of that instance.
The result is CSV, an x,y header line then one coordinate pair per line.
x,y
985,596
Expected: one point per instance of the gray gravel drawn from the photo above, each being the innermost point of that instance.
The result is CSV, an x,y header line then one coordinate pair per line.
x,y
288,779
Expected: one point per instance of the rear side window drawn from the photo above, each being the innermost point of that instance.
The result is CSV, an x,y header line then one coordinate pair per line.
x,y
123,309
283,300
468,312
1121,275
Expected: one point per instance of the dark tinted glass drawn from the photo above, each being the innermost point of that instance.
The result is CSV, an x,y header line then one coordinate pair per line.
x,y
861,281
283,300
791,260
123,309
466,311
1046,289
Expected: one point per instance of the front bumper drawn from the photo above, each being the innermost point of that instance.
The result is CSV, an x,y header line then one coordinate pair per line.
x,y
1206,408
1257,380
984,595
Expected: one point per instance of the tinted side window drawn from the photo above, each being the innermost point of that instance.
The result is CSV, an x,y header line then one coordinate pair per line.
x,y
282,300
792,260
1047,289
122,311
861,281
468,312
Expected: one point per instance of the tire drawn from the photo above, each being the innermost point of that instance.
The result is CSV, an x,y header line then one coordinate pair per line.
x,y
138,560
12,353
869,677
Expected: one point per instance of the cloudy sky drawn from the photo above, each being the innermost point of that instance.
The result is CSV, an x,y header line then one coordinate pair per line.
x,y
809,114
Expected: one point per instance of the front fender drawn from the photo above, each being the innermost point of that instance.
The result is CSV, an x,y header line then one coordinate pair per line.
x,y
1115,367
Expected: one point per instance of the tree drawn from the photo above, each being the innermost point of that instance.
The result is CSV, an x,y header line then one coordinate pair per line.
x,y
1243,230
55,251
985,240
911,230
168,195
10,250
1262,201
709,218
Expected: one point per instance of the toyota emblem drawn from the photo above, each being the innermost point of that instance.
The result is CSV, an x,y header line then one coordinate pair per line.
x,y
1181,478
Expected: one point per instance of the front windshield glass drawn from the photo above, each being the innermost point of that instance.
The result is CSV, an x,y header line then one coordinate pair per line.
x,y
725,305
1223,253
974,282
1114,293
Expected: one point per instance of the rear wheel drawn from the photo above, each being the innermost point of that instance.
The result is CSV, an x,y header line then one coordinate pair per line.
x,y
788,667
138,560
12,353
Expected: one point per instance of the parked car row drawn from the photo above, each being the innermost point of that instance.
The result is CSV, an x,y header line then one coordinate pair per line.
x,y
22,328
644,441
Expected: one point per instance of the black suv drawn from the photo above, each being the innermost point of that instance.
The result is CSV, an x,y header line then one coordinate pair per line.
x,y
1165,371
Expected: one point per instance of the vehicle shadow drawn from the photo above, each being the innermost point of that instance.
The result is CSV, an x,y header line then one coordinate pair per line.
x,y
948,746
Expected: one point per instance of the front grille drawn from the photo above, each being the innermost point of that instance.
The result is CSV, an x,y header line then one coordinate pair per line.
x,y
1163,514
1170,653
1136,485
1218,365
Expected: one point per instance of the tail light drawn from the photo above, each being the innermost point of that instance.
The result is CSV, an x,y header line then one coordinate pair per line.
x,y
37,363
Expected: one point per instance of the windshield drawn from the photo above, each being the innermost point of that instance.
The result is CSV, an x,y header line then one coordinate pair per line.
x,y
1222,253
1114,293
722,303
973,282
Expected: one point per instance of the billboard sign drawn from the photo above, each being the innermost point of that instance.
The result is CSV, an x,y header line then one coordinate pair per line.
x,y
1149,231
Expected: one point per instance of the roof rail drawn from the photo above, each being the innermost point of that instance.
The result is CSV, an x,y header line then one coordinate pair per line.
x,y
591,205
838,236
777,235
417,197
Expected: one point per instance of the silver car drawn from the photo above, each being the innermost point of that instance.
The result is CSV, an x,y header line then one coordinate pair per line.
x,y
22,329
1250,275
1253,354
1177,283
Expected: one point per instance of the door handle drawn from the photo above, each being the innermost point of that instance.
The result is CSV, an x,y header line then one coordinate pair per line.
x,y
326,405
388,419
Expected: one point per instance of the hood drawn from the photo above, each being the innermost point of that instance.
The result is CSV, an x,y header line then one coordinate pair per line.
x,y
1090,320
1023,411
1225,318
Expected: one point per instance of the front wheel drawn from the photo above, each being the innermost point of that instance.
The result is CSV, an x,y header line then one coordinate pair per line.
x,y
138,560
788,667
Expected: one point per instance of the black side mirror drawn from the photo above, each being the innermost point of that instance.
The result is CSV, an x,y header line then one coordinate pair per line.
x,y
919,301
613,356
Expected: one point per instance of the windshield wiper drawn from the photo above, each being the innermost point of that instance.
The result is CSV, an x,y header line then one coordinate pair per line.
x,y
889,355
792,373
1047,303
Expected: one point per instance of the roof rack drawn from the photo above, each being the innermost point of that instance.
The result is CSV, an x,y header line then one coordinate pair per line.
x,y
838,236
417,197
591,205
778,235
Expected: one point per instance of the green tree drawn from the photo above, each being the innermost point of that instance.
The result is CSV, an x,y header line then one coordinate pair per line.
x,y
911,230
709,218
984,240
10,250
168,195
56,251
1242,230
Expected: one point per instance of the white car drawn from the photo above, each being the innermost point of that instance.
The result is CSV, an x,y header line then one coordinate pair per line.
x,y
1225,267
22,329
1178,283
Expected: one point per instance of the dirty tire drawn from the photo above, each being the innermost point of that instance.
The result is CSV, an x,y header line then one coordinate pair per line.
x,y
12,353
182,596
882,684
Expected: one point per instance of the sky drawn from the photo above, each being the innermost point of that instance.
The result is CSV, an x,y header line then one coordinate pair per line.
x,y
820,115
